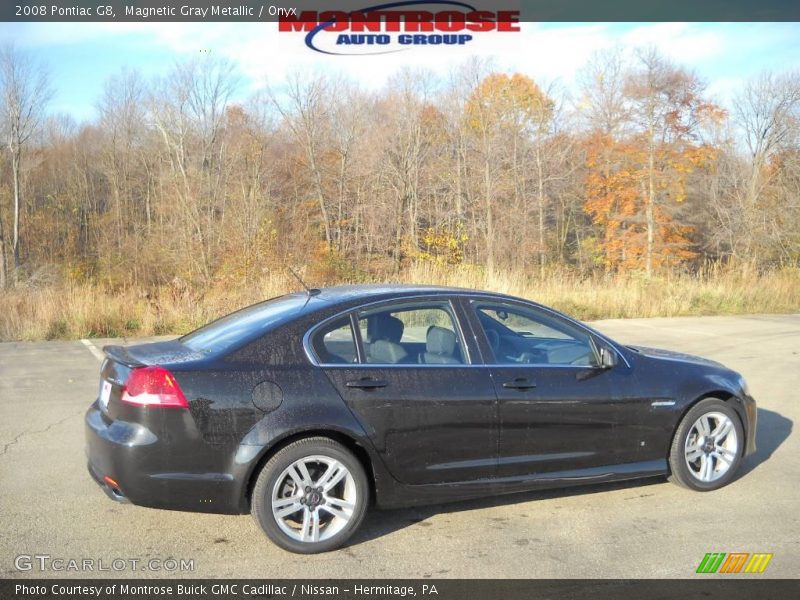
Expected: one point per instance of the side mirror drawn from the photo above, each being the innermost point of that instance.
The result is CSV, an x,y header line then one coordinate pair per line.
x,y
608,358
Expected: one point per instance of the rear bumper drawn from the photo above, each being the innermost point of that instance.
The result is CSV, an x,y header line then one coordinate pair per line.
x,y
111,490
150,472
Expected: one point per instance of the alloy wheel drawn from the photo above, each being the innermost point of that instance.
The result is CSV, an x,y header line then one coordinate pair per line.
x,y
711,446
314,498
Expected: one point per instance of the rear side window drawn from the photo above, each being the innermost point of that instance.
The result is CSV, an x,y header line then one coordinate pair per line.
x,y
419,334
244,325
334,344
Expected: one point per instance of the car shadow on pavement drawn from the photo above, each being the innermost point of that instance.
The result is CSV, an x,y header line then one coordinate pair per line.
x,y
383,522
772,430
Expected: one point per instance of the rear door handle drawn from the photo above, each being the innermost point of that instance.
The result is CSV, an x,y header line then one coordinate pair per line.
x,y
519,384
367,384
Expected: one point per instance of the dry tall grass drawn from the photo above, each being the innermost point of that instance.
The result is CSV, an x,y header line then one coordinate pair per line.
x,y
78,310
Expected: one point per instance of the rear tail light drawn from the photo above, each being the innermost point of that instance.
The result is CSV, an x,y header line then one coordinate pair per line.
x,y
153,386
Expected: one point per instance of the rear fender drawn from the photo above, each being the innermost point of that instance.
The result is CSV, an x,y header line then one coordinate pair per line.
x,y
311,406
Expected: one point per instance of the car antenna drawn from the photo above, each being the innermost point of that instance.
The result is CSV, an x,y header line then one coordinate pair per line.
x,y
309,291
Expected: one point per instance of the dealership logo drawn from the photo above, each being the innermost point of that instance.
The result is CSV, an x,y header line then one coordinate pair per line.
x,y
735,562
397,26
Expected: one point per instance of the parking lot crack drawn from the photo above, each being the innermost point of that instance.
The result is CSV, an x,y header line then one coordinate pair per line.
x,y
36,431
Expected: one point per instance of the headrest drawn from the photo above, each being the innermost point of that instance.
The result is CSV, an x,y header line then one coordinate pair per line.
x,y
440,341
385,327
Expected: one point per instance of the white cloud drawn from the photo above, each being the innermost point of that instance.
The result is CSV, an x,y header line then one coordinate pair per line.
x,y
547,52
262,53
683,42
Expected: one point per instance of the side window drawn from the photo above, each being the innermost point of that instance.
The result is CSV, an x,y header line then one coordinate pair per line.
x,y
334,343
418,334
522,336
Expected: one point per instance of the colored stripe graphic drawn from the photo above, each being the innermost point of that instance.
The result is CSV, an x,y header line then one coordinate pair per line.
x,y
758,562
734,562
711,562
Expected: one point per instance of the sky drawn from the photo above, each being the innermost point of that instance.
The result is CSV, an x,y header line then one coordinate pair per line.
x,y
82,56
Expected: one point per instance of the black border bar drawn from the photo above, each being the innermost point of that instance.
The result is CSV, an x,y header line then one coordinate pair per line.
x,y
709,587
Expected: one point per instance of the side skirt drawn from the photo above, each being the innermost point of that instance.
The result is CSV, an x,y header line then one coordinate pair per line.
x,y
398,495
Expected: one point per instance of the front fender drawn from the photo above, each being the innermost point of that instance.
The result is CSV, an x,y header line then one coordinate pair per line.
x,y
722,385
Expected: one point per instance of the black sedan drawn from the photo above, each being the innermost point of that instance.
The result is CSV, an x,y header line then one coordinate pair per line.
x,y
304,408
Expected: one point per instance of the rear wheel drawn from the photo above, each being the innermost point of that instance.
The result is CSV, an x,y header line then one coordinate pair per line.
x,y
311,496
707,447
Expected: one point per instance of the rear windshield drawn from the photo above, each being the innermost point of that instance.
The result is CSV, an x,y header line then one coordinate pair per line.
x,y
244,325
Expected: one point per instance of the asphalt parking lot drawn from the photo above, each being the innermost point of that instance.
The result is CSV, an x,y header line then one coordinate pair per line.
x,y
50,506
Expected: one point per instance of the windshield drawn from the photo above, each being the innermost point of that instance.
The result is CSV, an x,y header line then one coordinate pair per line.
x,y
243,324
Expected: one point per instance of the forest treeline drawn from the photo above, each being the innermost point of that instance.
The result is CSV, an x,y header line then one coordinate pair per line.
x,y
184,181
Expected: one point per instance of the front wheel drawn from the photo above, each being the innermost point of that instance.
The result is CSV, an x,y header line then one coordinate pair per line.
x,y
707,447
311,496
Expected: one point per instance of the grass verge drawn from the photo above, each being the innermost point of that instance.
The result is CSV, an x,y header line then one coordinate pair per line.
x,y
78,310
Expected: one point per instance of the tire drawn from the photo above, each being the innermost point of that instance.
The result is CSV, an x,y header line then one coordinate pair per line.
x,y
319,492
707,447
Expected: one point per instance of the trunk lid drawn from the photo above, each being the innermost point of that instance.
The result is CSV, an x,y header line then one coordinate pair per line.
x,y
166,353
120,360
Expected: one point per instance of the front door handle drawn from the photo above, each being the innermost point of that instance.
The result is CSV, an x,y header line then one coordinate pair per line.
x,y
520,384
367,383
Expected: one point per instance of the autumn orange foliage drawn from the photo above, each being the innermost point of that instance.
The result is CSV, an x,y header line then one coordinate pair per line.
x,y
511,102
616,195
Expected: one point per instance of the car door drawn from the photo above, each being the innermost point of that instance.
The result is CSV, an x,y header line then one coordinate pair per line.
x,y
430,412
558,410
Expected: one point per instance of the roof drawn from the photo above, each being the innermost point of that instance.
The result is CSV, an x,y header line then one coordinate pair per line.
x,y
247,324
346,293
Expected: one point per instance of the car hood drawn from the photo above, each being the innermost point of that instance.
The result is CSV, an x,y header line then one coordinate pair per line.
x,y
662,354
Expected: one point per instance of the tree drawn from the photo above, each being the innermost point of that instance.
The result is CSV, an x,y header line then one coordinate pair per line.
x,y
767,113
640,154
188,111
306,111
504,114
26,91
412,130
665,102
603,108
180,184
347,137
122,118
602,104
